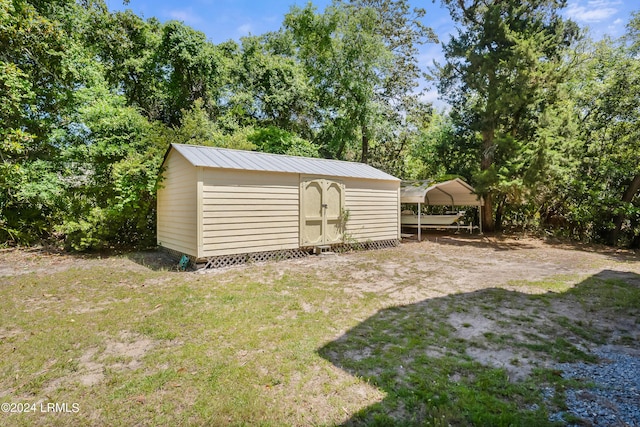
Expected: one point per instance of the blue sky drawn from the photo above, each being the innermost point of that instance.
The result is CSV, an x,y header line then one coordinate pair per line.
x,y
222,20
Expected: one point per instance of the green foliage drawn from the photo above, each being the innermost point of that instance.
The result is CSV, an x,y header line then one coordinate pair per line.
x,y
129,48
360,57
34,82
599,196
278,141
440,151
269,86
90,100
501,75
194,69
343,53
111,168
196,128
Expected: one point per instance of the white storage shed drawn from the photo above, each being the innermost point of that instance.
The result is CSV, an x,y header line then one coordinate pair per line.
x,y
214,202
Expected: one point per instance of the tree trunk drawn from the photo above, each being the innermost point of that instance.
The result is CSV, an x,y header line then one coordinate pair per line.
x,y
499,211
365,145
486,161
630,192
340,149
487,213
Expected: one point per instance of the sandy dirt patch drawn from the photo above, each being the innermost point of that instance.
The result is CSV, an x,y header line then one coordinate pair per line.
x,y
438,266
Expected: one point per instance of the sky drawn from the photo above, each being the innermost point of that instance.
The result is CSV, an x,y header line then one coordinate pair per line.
x,y
221,20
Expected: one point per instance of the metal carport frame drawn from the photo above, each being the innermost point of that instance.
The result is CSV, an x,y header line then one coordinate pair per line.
x,y
454,192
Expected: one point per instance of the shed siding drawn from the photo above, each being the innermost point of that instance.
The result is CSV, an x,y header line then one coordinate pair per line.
x,y
248,211
177,206
373,209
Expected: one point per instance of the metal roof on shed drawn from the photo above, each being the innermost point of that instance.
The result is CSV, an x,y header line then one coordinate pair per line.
x,y
214,157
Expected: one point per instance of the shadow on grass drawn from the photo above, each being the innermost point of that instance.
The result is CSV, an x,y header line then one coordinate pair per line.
x,y
485,241
155,260
507,242
22,260
486,357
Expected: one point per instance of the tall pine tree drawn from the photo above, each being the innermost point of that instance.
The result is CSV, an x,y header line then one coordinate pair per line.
x,y
501,73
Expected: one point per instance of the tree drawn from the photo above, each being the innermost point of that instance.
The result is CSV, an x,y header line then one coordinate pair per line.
x,y
603,194
128,48
439,151
360,57
198,129
78,163
269,86
345,59
193,68
41,64
108,169
501,73
402,32
402,113
274,140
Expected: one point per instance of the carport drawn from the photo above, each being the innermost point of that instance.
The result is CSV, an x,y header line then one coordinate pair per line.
x,y
453,193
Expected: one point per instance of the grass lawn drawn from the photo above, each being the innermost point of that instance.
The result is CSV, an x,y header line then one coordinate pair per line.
x,y
374,338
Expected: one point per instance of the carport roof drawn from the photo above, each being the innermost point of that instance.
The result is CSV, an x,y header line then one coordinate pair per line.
x,y
454,192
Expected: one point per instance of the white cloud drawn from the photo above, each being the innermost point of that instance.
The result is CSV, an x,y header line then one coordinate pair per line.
x,y
245,29
593,11
185,15
616,26
432,96
428,54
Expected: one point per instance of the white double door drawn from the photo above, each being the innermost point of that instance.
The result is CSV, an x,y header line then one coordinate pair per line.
x,y
321,212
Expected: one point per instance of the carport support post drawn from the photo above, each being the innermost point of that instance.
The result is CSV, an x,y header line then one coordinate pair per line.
x,y
419,228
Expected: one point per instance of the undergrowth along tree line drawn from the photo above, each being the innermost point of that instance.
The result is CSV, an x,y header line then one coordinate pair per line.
x,y
543,120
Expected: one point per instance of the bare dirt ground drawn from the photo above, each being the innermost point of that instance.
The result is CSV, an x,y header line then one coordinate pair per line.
x,y
444,265
440,265
14,262
452,263
417,274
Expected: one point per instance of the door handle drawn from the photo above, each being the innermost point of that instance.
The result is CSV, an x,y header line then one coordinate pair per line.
x,y
324,205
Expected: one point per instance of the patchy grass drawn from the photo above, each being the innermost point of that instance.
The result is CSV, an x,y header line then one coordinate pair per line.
x,y
300,344
133,349
559,283
431,371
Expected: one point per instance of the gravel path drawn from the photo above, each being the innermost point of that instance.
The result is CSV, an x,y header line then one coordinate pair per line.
x,y
615,398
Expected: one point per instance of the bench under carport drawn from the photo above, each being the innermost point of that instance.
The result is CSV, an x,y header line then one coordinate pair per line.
x,y
452,193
